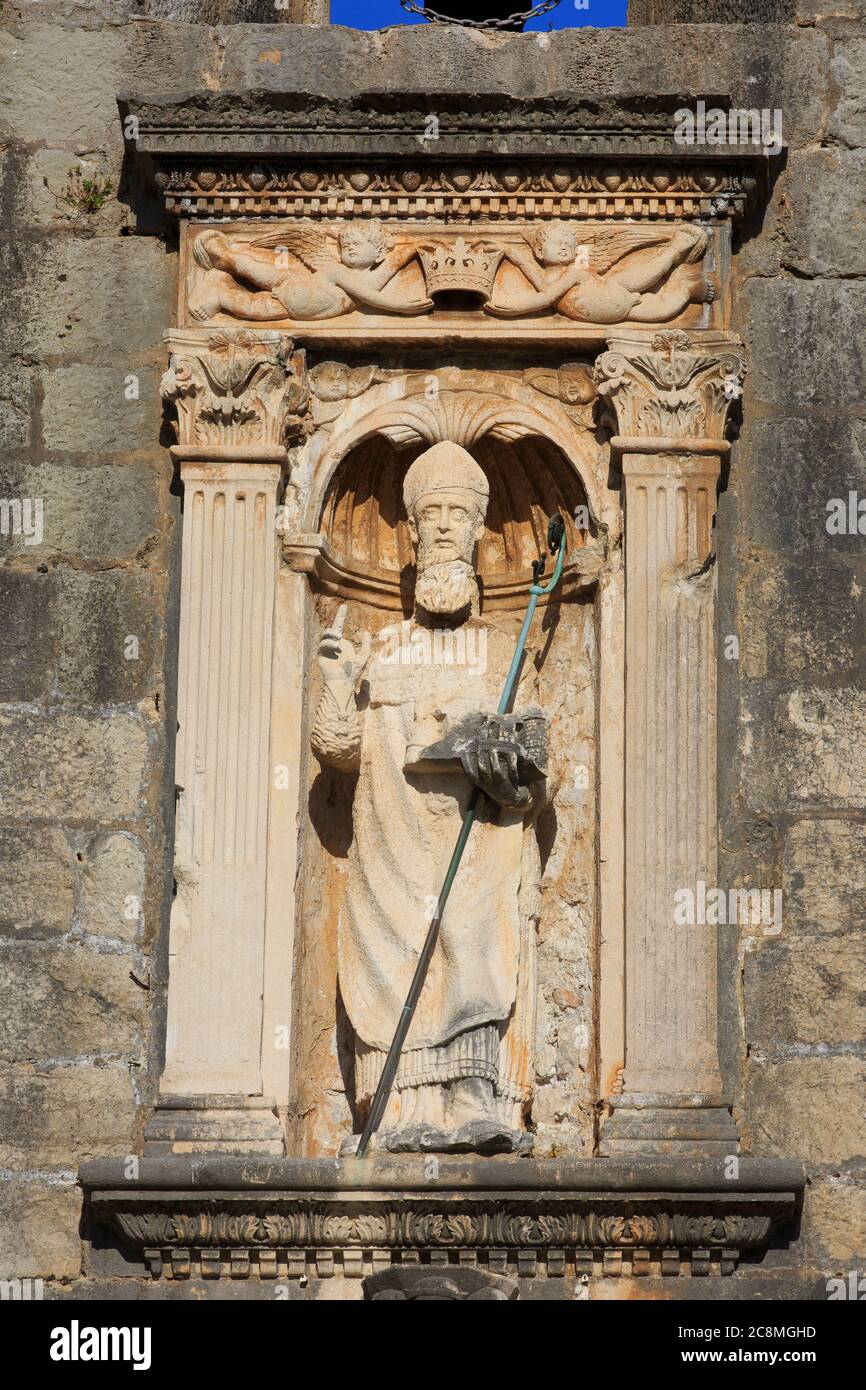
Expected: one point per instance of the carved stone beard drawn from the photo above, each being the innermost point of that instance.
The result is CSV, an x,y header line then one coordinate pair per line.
x,y
447,587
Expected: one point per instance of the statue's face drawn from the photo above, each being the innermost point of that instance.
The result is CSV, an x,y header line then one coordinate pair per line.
x,y
358,250
557,246
445,527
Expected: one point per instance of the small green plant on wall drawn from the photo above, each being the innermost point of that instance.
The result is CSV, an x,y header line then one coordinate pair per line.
x,y
85,192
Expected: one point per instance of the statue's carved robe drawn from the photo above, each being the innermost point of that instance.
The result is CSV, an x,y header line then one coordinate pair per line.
x,y
405,828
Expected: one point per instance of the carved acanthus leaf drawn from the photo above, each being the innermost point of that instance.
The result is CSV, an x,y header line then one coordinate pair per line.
x,y
518,1223
237,388
672,388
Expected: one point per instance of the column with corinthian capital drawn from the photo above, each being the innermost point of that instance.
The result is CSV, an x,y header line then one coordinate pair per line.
x,y
239,399
669,396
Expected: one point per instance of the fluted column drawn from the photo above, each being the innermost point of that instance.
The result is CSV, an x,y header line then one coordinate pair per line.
x,y
669,397
237,398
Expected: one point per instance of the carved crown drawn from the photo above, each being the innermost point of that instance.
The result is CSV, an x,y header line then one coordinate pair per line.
x,y
468,267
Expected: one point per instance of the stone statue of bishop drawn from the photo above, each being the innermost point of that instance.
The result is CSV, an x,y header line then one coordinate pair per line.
x,y
465,1077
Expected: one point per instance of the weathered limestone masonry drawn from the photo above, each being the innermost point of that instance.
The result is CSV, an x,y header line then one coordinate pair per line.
x,y
100,1062
713,11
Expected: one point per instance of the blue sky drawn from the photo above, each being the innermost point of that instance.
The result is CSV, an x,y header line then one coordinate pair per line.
x,y
377,14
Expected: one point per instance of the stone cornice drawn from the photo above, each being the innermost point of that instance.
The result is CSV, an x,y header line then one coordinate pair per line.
x,y
388,154
286,1217
394,123
386,1173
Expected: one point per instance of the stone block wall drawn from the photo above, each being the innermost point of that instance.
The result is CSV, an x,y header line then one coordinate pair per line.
x,y
86,719
742,11
792,732
87,646
711,11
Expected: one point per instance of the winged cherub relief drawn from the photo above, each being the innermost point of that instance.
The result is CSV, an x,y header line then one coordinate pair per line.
x,y
641,274
294,274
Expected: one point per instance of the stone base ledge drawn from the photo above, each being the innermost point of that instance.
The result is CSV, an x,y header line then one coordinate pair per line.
x,y
655,1125
201,1215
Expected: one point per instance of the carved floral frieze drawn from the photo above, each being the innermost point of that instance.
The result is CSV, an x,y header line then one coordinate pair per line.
x,y
272,1233
541,1223
499,191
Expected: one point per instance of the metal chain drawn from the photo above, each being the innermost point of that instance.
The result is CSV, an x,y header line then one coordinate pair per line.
x,y
435,18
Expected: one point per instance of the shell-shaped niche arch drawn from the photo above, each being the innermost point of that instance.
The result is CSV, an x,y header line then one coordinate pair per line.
x,y
365,528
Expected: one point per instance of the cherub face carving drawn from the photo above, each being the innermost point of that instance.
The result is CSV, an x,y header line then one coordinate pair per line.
x,y
556,244
362,247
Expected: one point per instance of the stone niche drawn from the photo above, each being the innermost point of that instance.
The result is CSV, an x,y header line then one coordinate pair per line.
x,y
525,316
363,556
